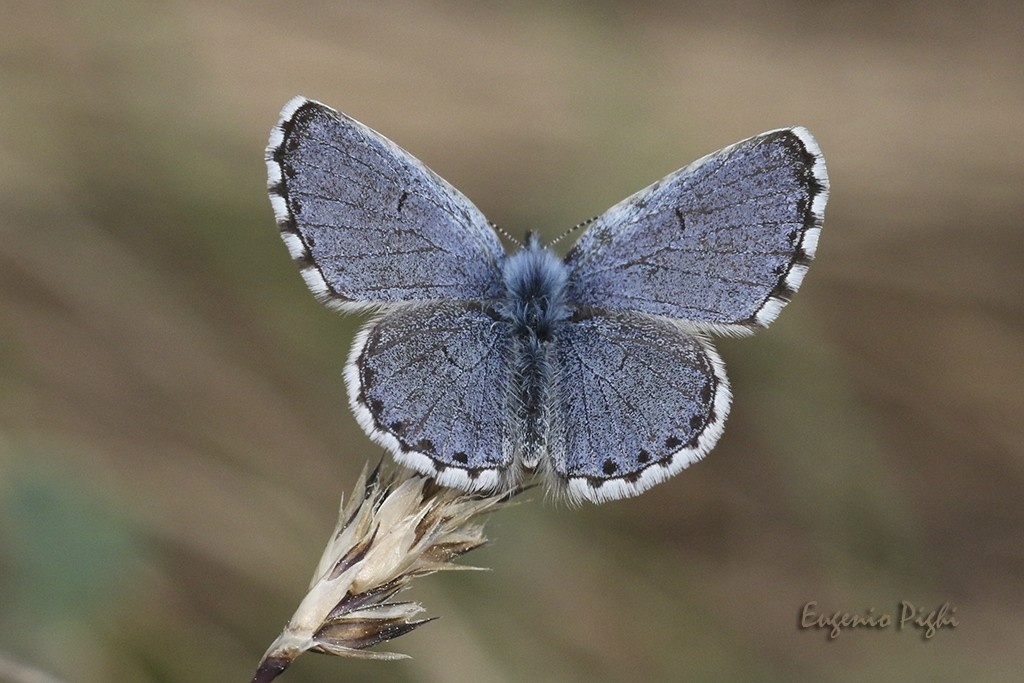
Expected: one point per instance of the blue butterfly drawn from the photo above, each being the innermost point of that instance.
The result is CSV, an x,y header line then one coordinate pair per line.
x,y
596,370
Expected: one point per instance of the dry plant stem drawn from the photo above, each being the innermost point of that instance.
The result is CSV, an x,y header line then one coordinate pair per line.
x,y
395,527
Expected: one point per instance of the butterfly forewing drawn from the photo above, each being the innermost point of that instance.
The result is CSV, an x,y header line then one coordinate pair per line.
x,y
722,243
369,224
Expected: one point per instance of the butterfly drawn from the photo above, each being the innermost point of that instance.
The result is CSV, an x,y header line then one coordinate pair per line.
x,y
596,370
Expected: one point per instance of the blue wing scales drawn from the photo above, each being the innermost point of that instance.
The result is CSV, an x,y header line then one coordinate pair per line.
x,y
636,400
431,383
722,244
368,223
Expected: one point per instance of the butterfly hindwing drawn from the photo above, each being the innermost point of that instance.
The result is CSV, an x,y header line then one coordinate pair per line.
x,y
637,399
722,243
430,382
368,223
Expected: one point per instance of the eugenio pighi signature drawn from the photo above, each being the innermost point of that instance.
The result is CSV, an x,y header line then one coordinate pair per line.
x,y
906,616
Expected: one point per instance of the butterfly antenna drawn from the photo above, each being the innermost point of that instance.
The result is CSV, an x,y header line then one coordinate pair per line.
x,y
573,229
505,233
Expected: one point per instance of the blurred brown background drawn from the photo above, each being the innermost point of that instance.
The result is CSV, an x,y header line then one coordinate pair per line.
x,y
174,433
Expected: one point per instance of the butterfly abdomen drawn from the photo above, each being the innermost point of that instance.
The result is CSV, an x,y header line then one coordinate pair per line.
x,y
530,387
